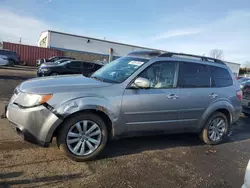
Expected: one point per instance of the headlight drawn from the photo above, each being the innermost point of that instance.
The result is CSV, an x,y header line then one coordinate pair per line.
x,y
30,100
44,70
241,86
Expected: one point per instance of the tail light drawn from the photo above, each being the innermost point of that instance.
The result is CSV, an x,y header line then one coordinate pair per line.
x,y
239,95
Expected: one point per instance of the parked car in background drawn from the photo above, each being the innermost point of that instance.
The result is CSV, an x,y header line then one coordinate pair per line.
x,y
4,60
247,177
52,59
12,56
246,98
55,62
68,67
142,92
243,79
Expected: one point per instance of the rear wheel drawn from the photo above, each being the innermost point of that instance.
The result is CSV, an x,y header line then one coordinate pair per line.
x,y
215,129
82,137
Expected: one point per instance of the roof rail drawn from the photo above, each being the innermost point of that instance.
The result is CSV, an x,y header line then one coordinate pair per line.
x,y
203,58
145,53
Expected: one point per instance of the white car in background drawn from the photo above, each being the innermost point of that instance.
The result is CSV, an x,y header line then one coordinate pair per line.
x,y
247,177
3,60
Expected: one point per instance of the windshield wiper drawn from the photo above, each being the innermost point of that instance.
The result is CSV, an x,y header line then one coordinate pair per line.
x,y
99,79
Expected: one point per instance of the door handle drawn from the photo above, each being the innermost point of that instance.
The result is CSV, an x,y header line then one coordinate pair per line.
x,y
172,96
213,95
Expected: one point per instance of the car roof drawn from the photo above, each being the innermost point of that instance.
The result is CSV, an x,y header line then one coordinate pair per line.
x,y
149,54
86,62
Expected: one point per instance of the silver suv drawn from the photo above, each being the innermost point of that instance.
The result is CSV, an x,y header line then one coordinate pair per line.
x,y
145,91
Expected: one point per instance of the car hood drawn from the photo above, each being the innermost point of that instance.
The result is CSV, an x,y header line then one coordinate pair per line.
x,y
70,83
50,64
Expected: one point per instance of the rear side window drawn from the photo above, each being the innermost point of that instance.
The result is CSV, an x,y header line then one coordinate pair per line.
x,y
193,75
220,77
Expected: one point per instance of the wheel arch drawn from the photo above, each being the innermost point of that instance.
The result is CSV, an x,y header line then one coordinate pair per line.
x,y
100,107
221,106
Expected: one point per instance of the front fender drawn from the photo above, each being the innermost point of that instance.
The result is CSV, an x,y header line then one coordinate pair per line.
x,y
89,103
221,104
86,103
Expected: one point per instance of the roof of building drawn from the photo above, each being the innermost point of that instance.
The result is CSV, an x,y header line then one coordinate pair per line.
x,y
91,38
113,42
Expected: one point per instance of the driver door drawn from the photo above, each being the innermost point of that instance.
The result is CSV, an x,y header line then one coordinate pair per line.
x,y
74,67
156,108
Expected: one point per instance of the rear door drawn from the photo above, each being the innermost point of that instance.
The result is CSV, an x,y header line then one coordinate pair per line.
x,y
74,67
196,95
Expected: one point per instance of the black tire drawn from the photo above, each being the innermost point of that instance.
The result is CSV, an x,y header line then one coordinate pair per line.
x,y
204,133
65,127
11,63
54,74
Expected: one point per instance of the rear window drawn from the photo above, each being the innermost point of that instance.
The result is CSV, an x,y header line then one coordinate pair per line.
x,y
220,77
193,75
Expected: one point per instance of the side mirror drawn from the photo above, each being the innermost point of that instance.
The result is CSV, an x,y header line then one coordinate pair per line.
x,y
141,83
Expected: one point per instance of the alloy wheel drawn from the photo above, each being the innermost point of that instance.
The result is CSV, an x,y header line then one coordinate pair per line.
x,y
84,137
217,129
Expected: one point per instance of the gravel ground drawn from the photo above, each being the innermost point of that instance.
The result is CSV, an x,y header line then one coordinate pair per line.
x,y
157,161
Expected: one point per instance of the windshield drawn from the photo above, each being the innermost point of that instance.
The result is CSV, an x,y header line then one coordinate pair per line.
x,y
119,70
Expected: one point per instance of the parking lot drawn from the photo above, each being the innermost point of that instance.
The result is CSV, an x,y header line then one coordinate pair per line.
x,y
157,161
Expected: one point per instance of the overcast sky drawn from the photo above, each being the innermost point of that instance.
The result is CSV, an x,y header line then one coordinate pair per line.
x,y
181,26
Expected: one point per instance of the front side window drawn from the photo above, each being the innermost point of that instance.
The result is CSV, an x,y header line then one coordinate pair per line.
x,y
87,65
75,65
193,75
160,74
119,70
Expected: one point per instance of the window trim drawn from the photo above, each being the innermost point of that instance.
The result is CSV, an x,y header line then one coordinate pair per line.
x,y
129,86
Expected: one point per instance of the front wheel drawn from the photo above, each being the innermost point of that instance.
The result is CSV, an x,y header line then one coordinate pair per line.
x,y
215,129
54,74
82,137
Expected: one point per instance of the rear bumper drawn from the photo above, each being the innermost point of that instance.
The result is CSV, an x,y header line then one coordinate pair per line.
x,y
35,125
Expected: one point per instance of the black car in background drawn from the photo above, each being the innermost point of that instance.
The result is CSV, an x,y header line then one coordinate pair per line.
x,y
246,99
68,67
12,56
52,59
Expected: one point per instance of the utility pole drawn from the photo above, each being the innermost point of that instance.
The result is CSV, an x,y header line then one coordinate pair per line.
x,y
20,40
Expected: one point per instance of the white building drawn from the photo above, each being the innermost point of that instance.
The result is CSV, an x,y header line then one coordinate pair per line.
x,y
87,45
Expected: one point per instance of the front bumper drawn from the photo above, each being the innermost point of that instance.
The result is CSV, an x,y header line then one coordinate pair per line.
x,y
35,125
41,74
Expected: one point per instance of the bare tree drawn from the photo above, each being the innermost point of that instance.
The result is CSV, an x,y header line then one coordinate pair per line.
x,y
216,53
